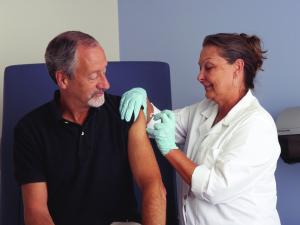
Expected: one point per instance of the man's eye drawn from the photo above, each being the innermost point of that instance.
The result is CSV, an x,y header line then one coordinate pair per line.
x,y
93,76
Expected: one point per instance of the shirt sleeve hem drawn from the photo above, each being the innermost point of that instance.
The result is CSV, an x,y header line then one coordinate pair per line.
x,y
199,181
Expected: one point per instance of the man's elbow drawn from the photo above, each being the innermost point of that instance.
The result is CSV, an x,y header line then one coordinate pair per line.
x,y
161,189
155,186
35,216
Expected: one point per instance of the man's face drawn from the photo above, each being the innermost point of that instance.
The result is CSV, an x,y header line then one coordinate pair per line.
x,y
89,82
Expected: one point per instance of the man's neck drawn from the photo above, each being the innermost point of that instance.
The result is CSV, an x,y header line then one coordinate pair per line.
x,y
71,112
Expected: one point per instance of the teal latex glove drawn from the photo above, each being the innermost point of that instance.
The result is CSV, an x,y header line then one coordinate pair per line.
x,y
164,132
131,103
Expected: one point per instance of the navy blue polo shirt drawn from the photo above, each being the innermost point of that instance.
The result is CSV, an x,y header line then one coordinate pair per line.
x,y
86,167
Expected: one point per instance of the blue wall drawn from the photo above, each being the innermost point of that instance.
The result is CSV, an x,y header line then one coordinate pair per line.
x,y
172,31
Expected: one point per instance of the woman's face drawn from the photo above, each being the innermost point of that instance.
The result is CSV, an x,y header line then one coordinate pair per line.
x,y
216,75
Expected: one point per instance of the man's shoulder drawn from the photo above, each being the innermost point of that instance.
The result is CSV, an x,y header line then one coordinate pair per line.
x,y
112,102
36,115
112,99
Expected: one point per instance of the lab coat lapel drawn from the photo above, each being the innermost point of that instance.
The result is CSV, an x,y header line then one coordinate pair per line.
x,y
208,118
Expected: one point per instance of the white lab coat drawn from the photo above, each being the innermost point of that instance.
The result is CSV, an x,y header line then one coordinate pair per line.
x,y
234,181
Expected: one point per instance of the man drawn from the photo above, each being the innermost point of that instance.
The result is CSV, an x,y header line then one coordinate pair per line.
x,y
74,156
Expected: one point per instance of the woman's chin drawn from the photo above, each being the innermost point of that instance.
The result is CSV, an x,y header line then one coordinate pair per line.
x,y
209,94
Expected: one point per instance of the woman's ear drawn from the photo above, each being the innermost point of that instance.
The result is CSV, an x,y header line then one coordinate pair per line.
x,y
239,66
238,73
61,79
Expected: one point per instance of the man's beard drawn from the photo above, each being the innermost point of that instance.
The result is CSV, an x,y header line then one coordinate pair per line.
x,y
96,101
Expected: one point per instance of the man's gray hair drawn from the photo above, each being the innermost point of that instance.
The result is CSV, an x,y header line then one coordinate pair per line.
x,y
60,54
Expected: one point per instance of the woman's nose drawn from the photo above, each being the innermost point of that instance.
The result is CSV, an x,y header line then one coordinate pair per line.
x,y
201,76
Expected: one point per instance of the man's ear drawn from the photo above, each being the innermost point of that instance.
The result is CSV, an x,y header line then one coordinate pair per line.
x,y
62,79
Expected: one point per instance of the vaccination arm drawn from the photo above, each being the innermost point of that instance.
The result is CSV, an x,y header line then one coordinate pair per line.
x,y
35,197
146,174
131,103
164,134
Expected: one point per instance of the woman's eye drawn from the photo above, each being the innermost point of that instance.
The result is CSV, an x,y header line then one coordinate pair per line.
x,y
208,67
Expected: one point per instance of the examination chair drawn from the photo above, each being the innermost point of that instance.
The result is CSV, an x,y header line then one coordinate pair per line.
x,y
28,86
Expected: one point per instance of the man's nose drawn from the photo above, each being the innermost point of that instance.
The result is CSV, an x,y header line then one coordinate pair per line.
x,y
103,83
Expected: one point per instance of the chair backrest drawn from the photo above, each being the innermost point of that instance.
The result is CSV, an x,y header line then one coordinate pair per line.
x,y
28,86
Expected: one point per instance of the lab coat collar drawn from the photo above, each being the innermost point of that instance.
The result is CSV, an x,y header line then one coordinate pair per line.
x,y
210,109
241,105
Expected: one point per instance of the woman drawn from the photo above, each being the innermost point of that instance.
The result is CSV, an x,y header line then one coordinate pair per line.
x,y
229,142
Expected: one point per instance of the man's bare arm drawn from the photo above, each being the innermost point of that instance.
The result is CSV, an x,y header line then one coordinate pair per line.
x,y
146,173
35,196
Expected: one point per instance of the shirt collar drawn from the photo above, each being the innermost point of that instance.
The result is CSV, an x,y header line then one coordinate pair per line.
x,y
212,108
55,107
241,105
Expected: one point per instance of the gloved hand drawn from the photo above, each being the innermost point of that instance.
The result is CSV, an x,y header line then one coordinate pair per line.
x,y
164,132
131,102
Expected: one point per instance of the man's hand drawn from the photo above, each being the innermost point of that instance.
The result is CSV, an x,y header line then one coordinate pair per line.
x,y
164,132
131,103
